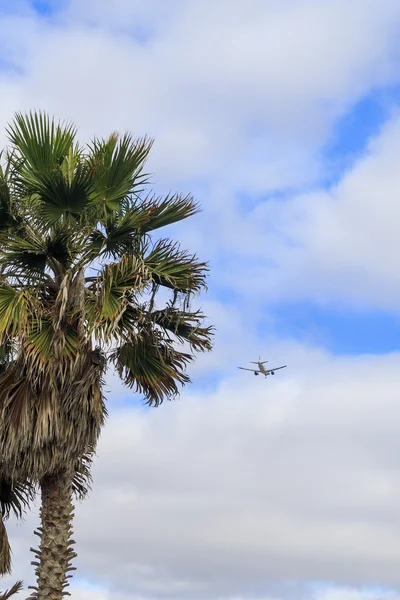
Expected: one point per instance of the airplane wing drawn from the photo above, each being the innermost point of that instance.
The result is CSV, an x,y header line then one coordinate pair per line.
x,y
244,369
277,368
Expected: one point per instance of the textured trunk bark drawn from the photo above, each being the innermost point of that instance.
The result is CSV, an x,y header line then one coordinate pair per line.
x,y
55,553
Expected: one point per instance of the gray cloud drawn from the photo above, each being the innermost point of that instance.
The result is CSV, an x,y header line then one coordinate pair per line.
x,y
243,93
218,495
223,493
238,99
247,492
337,246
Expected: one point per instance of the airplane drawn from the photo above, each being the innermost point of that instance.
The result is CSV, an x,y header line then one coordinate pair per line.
x,y
261,369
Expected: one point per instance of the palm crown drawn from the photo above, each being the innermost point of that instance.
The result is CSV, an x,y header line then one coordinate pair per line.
x,y
79,275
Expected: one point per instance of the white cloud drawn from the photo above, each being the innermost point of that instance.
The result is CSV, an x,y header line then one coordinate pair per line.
x,y
229,494
338,246
233,494
239,97
221,494
354,594
243,93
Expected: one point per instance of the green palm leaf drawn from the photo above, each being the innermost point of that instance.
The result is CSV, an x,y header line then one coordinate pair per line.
x,y
163,212
129,274
123,231
175,268
40,142
49,167
15,307
151,367
121,235
117,166
40,339
8,218
186,326
23,255
61,196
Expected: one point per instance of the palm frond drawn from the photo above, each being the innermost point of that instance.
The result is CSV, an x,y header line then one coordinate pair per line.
x,y
51,417
69,343
108,329
15,497
7,351
8,218
23,255
50,167
57,245
61,197
15,307
175,268
151,367
16,397
5,550
17,587
117,166
186,326
41,142
35,249
82,479
40,339
123,231
163,212
121,235
130,273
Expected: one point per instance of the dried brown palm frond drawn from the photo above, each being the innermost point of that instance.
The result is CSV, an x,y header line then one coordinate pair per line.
x,y
39,405
17,587
16,497
5,550
82,478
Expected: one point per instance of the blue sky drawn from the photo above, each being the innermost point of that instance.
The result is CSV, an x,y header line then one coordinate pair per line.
x,y
282,118
356,127
339,329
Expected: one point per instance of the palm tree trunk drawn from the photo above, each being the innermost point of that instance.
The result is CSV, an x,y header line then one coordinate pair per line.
x,y
55,552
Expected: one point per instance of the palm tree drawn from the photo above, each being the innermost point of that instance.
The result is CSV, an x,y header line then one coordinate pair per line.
x,y
80,272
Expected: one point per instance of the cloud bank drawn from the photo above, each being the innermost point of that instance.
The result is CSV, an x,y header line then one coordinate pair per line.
x,y
243,489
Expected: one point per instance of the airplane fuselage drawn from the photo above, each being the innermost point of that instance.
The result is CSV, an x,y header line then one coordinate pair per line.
x,y
261,369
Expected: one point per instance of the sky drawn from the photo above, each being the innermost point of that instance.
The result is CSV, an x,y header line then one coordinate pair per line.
x,y
283,119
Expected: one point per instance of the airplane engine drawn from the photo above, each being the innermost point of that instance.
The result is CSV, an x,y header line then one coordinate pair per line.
x,y
272,372
255,373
